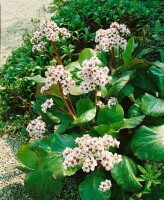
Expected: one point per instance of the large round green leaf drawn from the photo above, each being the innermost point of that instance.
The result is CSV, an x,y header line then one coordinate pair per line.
x,y
41,186
142,80
86,54
27,157
124,174
73,66
152,106
132,122
89,188
157,75
120,83
50,157
85,110
113,116
148,143
104,129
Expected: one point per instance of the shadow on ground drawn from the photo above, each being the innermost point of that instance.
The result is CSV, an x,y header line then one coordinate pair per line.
x,y
14,192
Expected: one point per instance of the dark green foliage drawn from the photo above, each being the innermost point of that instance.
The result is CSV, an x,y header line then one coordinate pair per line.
x,y
84,17
16,90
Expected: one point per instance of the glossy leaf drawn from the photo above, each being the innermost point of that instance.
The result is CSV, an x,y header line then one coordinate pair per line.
x,y
142,80
86,111
120,83
42,186
89,188
113,116
104,129
128,90
58,142
49,154
86,54
124,173
134,111
152,106
134,64
148,143
132,122
157,76
61,128
158,64
73,66
28,157
128,51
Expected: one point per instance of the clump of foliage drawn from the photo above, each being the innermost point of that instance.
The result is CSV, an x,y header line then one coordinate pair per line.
x,y
16,89
84,18
105,99
154,44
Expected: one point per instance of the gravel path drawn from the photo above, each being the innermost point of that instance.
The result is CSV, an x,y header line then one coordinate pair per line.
x,y
11,179
16,17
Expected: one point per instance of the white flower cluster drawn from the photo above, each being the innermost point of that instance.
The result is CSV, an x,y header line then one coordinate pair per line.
x,y
48,104
112,101
100,104
112,37
57,74
92,152
50,31
40,46
105,185
93,75
36,128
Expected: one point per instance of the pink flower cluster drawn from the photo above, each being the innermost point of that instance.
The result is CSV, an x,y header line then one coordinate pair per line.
x,y
57,74
112,37
50,31
36,128
92,152
48,104
105,185
111,102
93,75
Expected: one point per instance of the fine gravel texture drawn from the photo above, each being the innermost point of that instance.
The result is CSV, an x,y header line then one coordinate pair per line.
x,y
16,16
11,179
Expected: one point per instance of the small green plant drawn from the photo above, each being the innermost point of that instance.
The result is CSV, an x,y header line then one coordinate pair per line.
x,y
99,116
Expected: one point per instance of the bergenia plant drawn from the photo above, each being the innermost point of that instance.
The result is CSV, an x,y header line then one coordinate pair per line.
x,y
90,112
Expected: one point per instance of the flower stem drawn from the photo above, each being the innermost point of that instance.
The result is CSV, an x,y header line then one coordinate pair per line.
x,y
96,96
65,102
57,54
113,58
71,105
60,87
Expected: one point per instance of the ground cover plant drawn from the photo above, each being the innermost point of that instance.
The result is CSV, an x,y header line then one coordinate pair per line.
x,y
100,117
